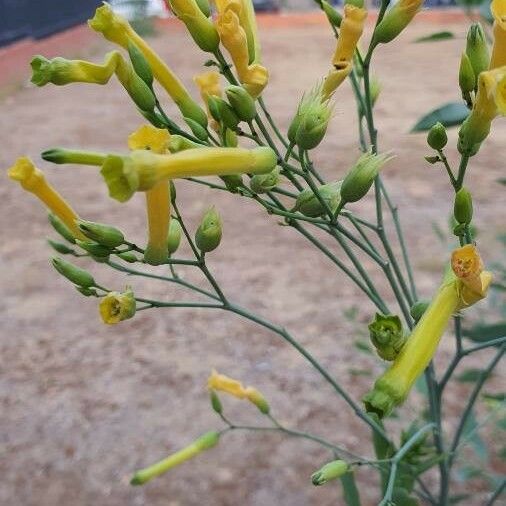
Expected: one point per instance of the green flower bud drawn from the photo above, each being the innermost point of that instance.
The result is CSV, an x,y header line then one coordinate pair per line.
x,y
87,292
61,155
437,138
432,159
60,247
208,235
361,177
463,206
329,471
102,234
230,138
61,228
333,16
155,118
95,249
387,335
128,256
73,273
467,77
228,116
214,107
262,183
140,93
204,7
395,20
198,130
242,103
173,236
179,143
172,190
309,205
418,308
233,182
140,64
216,403
477,49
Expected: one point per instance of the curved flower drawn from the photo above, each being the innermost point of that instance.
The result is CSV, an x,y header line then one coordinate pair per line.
x,y
498,8
33,180
116,307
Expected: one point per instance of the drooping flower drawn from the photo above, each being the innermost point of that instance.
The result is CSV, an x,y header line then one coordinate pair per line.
x,y
116,307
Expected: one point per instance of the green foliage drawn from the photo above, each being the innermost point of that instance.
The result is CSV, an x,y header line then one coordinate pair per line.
x,y
451,114
436,37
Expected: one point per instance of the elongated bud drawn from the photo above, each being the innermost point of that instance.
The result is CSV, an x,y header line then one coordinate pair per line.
x,y
205,442
313,127
103,234
204,7
140,64
387,335
216,403
309,204
179,143
262,183
128,256
437,138
174,236
61,248
333,16
477,49
418,309
116,307
395,20
95,249
230,139
61,228
61,155
361,177
73,273
256,398
233,182
228,116
213,103
198,130
329,471
242,103
208,235
463,206
467,77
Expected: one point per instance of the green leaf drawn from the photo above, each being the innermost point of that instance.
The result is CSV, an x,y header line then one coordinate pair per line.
x,y
434,37
469,376
350,492
451,114
481,333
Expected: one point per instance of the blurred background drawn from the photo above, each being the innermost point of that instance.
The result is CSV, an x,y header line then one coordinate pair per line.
x,y
83,405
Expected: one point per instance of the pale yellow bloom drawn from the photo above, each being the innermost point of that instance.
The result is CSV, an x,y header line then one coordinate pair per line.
x,y
116,307
157,198
498,59
352,27
33,180
209,85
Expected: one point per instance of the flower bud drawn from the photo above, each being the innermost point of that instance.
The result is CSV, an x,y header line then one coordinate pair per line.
x,y
256,398
208,235
329,471
61,228
174,236
333,16
214,107
395,20
361,177
437,138
215,402
262,183
230,139
463,206
477,49
233,182
94,249
418,309
432,159
140,64
309,204
242,103
198,130
179,143
204,7
60,247
61,155
73,273
228,116
103,234
116,307
467,78
387,335
128,256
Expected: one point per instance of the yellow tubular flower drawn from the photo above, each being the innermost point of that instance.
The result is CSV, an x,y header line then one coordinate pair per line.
x,y
141,170
498,59
116,307
209,85
117,29
33,180
60,71
455,293
352,27
157,198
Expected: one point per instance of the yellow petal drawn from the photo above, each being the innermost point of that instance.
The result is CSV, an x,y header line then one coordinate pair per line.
x,y
149,137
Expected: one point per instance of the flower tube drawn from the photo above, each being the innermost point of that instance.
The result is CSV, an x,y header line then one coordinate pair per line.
x,y
117,29
498,59
33,180
157,198
141,170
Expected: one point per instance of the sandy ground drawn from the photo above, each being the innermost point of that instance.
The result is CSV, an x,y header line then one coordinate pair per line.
x,y
82,405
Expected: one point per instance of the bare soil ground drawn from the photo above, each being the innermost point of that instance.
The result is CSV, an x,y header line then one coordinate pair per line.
x,y
82,405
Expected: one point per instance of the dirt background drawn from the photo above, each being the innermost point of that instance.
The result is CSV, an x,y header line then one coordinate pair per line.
x,y
83,405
